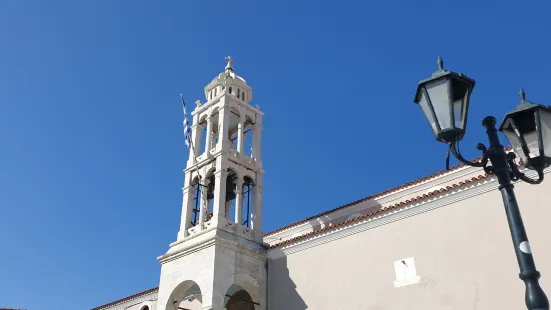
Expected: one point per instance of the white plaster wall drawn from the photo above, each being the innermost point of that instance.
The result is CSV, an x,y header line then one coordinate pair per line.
x,y
463,255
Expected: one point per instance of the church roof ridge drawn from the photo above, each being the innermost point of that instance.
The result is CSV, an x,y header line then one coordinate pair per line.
x,y
383,210
151,290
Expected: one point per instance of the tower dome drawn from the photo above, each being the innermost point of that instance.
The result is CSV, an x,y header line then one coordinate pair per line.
x,y
230,83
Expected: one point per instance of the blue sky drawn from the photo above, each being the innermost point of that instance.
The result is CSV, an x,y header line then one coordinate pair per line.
x,y
91,140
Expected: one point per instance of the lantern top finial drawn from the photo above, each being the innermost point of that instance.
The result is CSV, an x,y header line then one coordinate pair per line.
x,y
230,63
522,95
440,63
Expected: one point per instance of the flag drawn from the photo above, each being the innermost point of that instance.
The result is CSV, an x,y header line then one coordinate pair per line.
x,y
187,128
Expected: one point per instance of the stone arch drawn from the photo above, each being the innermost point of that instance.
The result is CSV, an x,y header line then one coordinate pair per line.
x,y
234,118
249,121
231,192
201,126
244,293
239,300
186,295
203,118
248,175
216,121
210,171
194,179
248,135
214,111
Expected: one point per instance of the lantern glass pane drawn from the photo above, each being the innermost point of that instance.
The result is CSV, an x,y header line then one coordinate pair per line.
x,y
425,107
531,139
438,94
460,95
460,106
545,121
515,143
458,113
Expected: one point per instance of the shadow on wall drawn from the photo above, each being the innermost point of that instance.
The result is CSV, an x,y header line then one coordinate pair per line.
x,y
282,291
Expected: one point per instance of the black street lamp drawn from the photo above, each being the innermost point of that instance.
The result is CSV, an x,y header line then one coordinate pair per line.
x,y
444,99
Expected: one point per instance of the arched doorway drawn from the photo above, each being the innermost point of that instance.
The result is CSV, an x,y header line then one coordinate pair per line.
x,y
240,300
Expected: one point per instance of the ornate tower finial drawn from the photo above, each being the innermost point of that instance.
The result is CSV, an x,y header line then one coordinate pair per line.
x,y
522,95
230,62
440,63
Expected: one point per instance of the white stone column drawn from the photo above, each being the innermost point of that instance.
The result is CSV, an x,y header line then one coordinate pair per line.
x,y
224,126
256,214
219,208
187,210
204,203
239,201
196,133
241,136
257,137
208,142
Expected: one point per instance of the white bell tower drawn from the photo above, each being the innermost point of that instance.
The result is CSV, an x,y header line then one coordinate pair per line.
x,y
219,260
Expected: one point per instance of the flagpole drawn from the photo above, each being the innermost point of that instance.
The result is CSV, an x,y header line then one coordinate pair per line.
x,y
189,141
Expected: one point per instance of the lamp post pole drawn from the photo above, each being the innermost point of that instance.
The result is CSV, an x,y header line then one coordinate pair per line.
x,y
535,298
444,100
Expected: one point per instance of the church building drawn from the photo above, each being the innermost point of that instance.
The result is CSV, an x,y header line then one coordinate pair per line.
x,y
440,242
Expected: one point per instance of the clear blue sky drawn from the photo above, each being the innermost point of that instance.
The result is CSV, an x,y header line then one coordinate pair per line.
x,y
91,140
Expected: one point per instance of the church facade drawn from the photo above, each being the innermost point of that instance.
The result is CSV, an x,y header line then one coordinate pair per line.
x,y
440,242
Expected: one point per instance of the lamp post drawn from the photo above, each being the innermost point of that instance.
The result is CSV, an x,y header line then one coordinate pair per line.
x,y
444,100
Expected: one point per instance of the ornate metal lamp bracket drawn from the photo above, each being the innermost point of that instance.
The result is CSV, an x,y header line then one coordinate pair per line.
x,y
482,163
487,153
517,175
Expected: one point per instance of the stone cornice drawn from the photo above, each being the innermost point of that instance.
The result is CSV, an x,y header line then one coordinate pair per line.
x,y
211,237
124,303
387,197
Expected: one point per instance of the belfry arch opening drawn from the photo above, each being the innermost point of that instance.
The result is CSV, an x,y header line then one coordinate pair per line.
x,y
231,193
197,201
187,295
202,143
248,197
210,196
215,129
248,137
233,132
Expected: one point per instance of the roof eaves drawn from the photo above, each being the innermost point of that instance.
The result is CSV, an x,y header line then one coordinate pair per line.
x,y
386,192
383,210
149,291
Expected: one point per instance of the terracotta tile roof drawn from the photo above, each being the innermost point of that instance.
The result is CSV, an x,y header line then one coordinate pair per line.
x,y
383,210
388,191
149,291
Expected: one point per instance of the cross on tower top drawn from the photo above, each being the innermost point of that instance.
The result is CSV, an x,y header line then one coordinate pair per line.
x,y
230,62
